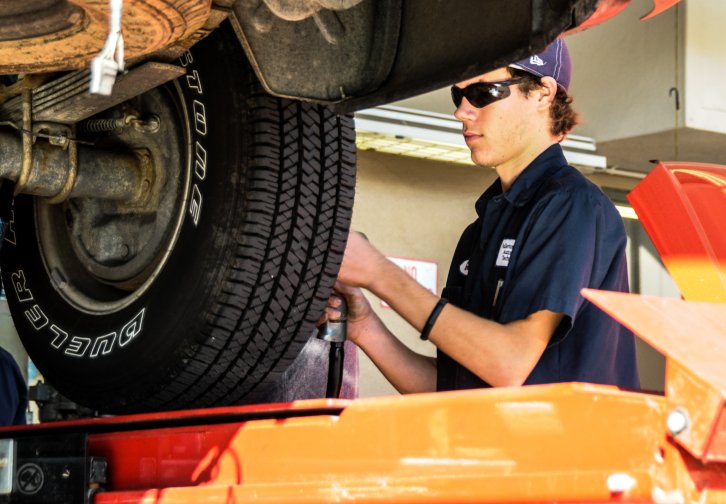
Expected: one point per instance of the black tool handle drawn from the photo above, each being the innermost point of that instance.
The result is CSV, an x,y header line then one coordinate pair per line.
x,y
336,367
335,332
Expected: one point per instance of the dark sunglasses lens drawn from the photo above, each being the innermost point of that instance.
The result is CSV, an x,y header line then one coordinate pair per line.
x,y
456,95
479,94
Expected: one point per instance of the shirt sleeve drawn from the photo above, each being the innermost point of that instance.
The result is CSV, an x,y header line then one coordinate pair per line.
x,y
13,394
561,244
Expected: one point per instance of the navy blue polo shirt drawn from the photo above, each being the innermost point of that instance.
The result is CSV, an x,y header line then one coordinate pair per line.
x,y
13,392
569,236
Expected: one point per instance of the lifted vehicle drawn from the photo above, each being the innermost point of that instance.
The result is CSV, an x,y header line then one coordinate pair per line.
x,y
175,233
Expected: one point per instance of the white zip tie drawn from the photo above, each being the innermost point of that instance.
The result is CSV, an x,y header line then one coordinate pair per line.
x,y
110,61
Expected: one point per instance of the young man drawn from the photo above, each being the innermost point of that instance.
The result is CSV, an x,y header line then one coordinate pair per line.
x,y
514,313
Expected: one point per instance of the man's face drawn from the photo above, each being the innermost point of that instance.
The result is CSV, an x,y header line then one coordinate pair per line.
x,y
500,132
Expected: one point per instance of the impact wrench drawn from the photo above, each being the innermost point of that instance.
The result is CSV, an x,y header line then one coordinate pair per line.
x,y
335,332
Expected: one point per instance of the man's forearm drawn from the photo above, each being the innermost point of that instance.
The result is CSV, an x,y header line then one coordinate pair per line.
x,y
408,371
499,354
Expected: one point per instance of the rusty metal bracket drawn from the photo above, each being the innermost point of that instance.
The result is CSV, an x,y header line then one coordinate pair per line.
x,y
27,164
72,171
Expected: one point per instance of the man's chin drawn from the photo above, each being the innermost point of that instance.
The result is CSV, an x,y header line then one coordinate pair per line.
x,y
480,160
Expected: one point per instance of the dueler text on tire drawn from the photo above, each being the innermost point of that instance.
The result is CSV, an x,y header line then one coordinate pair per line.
x,y
207,299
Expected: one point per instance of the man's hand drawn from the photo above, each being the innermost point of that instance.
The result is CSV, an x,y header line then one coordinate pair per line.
x,y
359,309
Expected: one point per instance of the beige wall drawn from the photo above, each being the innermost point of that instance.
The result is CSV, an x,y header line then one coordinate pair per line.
x,y
623,70
418,208
705,65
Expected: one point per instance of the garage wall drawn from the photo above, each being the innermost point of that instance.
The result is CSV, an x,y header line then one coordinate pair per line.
x,y
623,71
705,65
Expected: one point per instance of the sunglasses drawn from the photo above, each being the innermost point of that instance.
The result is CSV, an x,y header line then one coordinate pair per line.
x,y
481,94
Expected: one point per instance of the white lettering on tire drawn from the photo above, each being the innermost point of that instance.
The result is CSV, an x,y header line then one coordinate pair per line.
x,y
60,337
195,204
131,329
194,83
103,344
200,161
36,317
21,291
75,346
10,231
199,116
78,346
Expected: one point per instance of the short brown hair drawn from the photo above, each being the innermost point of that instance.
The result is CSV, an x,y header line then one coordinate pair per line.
x,y
563,116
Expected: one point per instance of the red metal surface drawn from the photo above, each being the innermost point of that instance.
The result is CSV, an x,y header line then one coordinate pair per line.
x,y
607,9
658,7
693,337
196,416
682,207
604,11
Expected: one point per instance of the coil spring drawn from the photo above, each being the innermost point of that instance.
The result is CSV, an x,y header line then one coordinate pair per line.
x,y
101,125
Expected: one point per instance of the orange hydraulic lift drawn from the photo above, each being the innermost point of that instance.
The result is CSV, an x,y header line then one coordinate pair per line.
x,y
564,442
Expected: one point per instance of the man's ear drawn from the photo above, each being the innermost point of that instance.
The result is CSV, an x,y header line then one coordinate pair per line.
x,y
547,91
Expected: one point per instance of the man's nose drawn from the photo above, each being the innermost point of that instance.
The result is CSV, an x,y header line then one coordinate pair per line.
x,y
465,111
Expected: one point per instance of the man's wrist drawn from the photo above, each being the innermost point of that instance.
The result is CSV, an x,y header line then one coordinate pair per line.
x,y
360,330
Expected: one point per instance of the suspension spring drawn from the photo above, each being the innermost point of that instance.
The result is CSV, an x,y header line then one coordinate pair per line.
x,y
150,125
102,125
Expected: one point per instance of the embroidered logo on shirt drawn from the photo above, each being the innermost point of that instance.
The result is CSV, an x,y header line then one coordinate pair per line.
x,y
505,251
464,268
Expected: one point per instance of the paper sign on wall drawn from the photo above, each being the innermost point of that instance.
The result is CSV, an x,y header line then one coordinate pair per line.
x,y
426,273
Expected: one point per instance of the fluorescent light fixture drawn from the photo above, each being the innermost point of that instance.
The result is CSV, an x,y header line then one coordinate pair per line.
x,y
429,135
626,212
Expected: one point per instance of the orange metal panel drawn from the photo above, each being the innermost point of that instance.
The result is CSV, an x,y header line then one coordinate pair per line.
x,y
681,206
567,442
701,403
693,337
718,442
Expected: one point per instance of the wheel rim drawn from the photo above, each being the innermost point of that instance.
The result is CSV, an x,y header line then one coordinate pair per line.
x,y
102,255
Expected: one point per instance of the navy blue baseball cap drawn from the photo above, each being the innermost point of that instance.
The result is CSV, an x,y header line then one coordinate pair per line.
x,y
553,62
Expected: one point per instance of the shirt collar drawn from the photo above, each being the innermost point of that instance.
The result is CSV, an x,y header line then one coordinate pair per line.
x,y
528,181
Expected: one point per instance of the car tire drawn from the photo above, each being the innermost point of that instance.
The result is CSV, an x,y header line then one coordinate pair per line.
x,y
238,277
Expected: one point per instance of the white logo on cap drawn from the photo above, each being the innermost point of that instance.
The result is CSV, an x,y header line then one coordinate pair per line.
x,y
536,60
